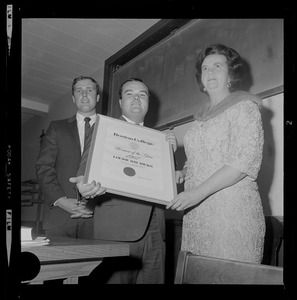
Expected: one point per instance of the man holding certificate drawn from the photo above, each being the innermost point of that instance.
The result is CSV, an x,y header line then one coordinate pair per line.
x,y
120,218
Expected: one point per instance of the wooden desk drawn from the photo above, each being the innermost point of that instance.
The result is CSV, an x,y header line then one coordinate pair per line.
x,y
71,258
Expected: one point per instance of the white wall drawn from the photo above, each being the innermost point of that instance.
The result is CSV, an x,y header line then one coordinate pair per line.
x,y
271,176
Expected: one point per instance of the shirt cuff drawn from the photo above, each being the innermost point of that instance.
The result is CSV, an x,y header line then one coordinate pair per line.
x,y
56,202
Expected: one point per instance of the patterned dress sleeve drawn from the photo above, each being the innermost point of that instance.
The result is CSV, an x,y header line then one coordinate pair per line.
x,y
246,138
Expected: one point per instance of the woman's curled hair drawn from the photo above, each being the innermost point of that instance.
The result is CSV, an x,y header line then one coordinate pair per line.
x,y
234,63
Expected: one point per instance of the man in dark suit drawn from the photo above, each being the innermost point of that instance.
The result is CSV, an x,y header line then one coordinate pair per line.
x,y
59,159
118,218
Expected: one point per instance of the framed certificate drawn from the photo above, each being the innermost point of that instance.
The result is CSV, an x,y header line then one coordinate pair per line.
x,y
131,160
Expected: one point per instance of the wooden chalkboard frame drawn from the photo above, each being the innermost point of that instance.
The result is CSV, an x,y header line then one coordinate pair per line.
x,y
153,35
161,30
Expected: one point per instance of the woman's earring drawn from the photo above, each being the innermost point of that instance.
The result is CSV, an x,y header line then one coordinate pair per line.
x,y
204,89
228,84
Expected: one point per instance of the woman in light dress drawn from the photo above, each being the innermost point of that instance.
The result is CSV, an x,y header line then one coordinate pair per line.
x,y
223,214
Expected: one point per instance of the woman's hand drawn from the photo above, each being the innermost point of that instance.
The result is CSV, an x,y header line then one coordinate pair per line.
x,y
181,176
186,200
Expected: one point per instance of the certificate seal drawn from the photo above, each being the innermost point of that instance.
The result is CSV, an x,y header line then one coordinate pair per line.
x,y
129,171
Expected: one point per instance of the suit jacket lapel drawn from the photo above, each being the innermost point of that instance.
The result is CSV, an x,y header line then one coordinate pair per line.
x,y
74,130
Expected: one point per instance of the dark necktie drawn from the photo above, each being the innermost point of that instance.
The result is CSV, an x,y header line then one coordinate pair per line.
x,y
87,128
88,139
84,157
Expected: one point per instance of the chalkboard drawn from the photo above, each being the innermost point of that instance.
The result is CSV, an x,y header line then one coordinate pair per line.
x,y
168,67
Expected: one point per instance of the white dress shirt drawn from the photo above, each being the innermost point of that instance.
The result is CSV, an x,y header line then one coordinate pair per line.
x,y
128,120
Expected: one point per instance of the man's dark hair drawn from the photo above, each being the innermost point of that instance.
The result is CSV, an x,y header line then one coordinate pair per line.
x,y
132,79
